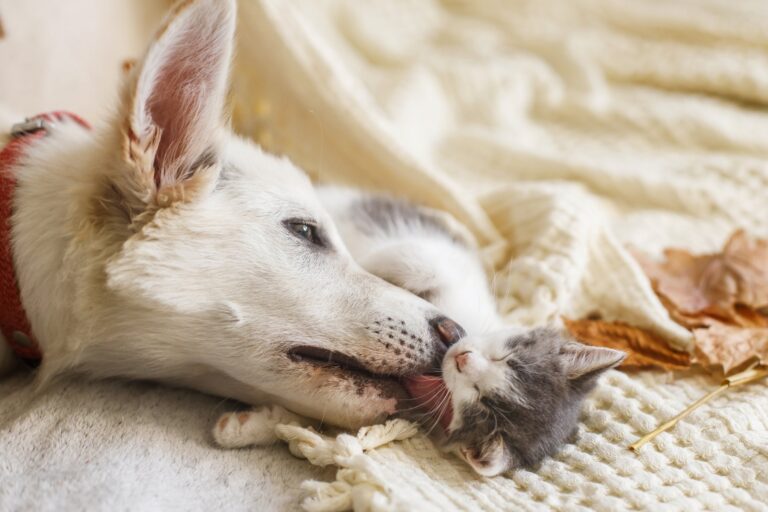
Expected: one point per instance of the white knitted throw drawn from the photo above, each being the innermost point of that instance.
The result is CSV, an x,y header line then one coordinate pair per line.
x,y
559,132
717,461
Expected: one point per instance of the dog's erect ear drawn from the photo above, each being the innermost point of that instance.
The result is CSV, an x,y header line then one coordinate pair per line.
x,y
583,360
173,106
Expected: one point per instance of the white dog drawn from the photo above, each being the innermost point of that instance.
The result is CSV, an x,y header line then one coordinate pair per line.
x,y
161,246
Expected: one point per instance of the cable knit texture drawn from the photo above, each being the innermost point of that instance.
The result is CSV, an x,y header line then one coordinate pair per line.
x,y
559,132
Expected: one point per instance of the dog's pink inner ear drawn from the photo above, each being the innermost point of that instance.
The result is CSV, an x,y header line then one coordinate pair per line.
x,y
181,89
177,106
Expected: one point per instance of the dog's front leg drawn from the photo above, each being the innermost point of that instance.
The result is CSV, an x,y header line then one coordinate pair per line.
x,y
252,428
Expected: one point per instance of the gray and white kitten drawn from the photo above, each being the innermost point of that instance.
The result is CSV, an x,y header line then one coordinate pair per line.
x,y
516,396
508,396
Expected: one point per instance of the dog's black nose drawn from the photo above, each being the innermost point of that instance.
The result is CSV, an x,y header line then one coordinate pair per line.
x,y
447,330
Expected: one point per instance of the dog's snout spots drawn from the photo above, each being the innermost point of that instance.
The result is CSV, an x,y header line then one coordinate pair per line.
x,y
447,330
405,349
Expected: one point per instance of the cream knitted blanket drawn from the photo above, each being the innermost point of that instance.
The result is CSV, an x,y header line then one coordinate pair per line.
x,y
559,132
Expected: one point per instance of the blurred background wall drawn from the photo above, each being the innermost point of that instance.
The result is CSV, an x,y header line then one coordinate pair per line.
x,y
68,54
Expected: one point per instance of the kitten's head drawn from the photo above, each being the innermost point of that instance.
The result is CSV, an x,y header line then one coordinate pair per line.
x,y
516,395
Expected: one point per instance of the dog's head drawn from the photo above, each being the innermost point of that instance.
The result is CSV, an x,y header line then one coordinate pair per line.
x,y
227,268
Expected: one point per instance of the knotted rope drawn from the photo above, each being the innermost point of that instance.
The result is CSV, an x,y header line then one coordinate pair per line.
x,y
358,485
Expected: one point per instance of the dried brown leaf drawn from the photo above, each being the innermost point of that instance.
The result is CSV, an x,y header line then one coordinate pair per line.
x,y
721,297
731,347
712,284
745,316
644,348
746,259
739,315
689,321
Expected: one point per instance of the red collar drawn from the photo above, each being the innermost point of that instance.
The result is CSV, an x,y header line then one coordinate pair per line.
x,y
14,323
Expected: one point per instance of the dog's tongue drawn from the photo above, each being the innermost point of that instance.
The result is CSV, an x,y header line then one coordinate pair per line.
x,y
430,393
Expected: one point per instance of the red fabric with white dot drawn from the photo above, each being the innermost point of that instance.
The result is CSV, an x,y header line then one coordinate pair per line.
x,y
14,323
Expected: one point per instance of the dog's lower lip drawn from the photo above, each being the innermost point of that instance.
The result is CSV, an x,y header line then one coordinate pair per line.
x,y
350,368
341,366
323,356
334,359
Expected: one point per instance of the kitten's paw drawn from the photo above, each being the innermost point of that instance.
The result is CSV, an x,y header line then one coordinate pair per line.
x,y
251,428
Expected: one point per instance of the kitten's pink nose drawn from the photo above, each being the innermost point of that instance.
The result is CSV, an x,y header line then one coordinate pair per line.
x,y
462,360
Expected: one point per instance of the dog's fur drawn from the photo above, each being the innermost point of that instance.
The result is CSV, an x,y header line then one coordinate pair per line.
x,y
161,246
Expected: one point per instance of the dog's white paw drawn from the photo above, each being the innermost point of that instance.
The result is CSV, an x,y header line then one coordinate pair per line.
x,y
251,428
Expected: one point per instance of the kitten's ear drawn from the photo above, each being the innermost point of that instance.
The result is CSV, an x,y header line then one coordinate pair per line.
x,y
581,360
172,110
490,459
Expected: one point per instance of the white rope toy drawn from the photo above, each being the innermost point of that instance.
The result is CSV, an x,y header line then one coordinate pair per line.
x,y
358,485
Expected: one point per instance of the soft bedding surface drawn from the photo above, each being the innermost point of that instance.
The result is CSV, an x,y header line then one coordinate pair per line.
x,y
558,132
131,446
561,133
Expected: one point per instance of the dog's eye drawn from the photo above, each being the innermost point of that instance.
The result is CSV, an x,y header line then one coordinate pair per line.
x,y
306,231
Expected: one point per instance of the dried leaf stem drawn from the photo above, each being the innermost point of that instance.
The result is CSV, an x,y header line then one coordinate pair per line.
x,y
751,374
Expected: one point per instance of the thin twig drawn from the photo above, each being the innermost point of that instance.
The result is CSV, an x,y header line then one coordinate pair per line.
x,y
751,374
